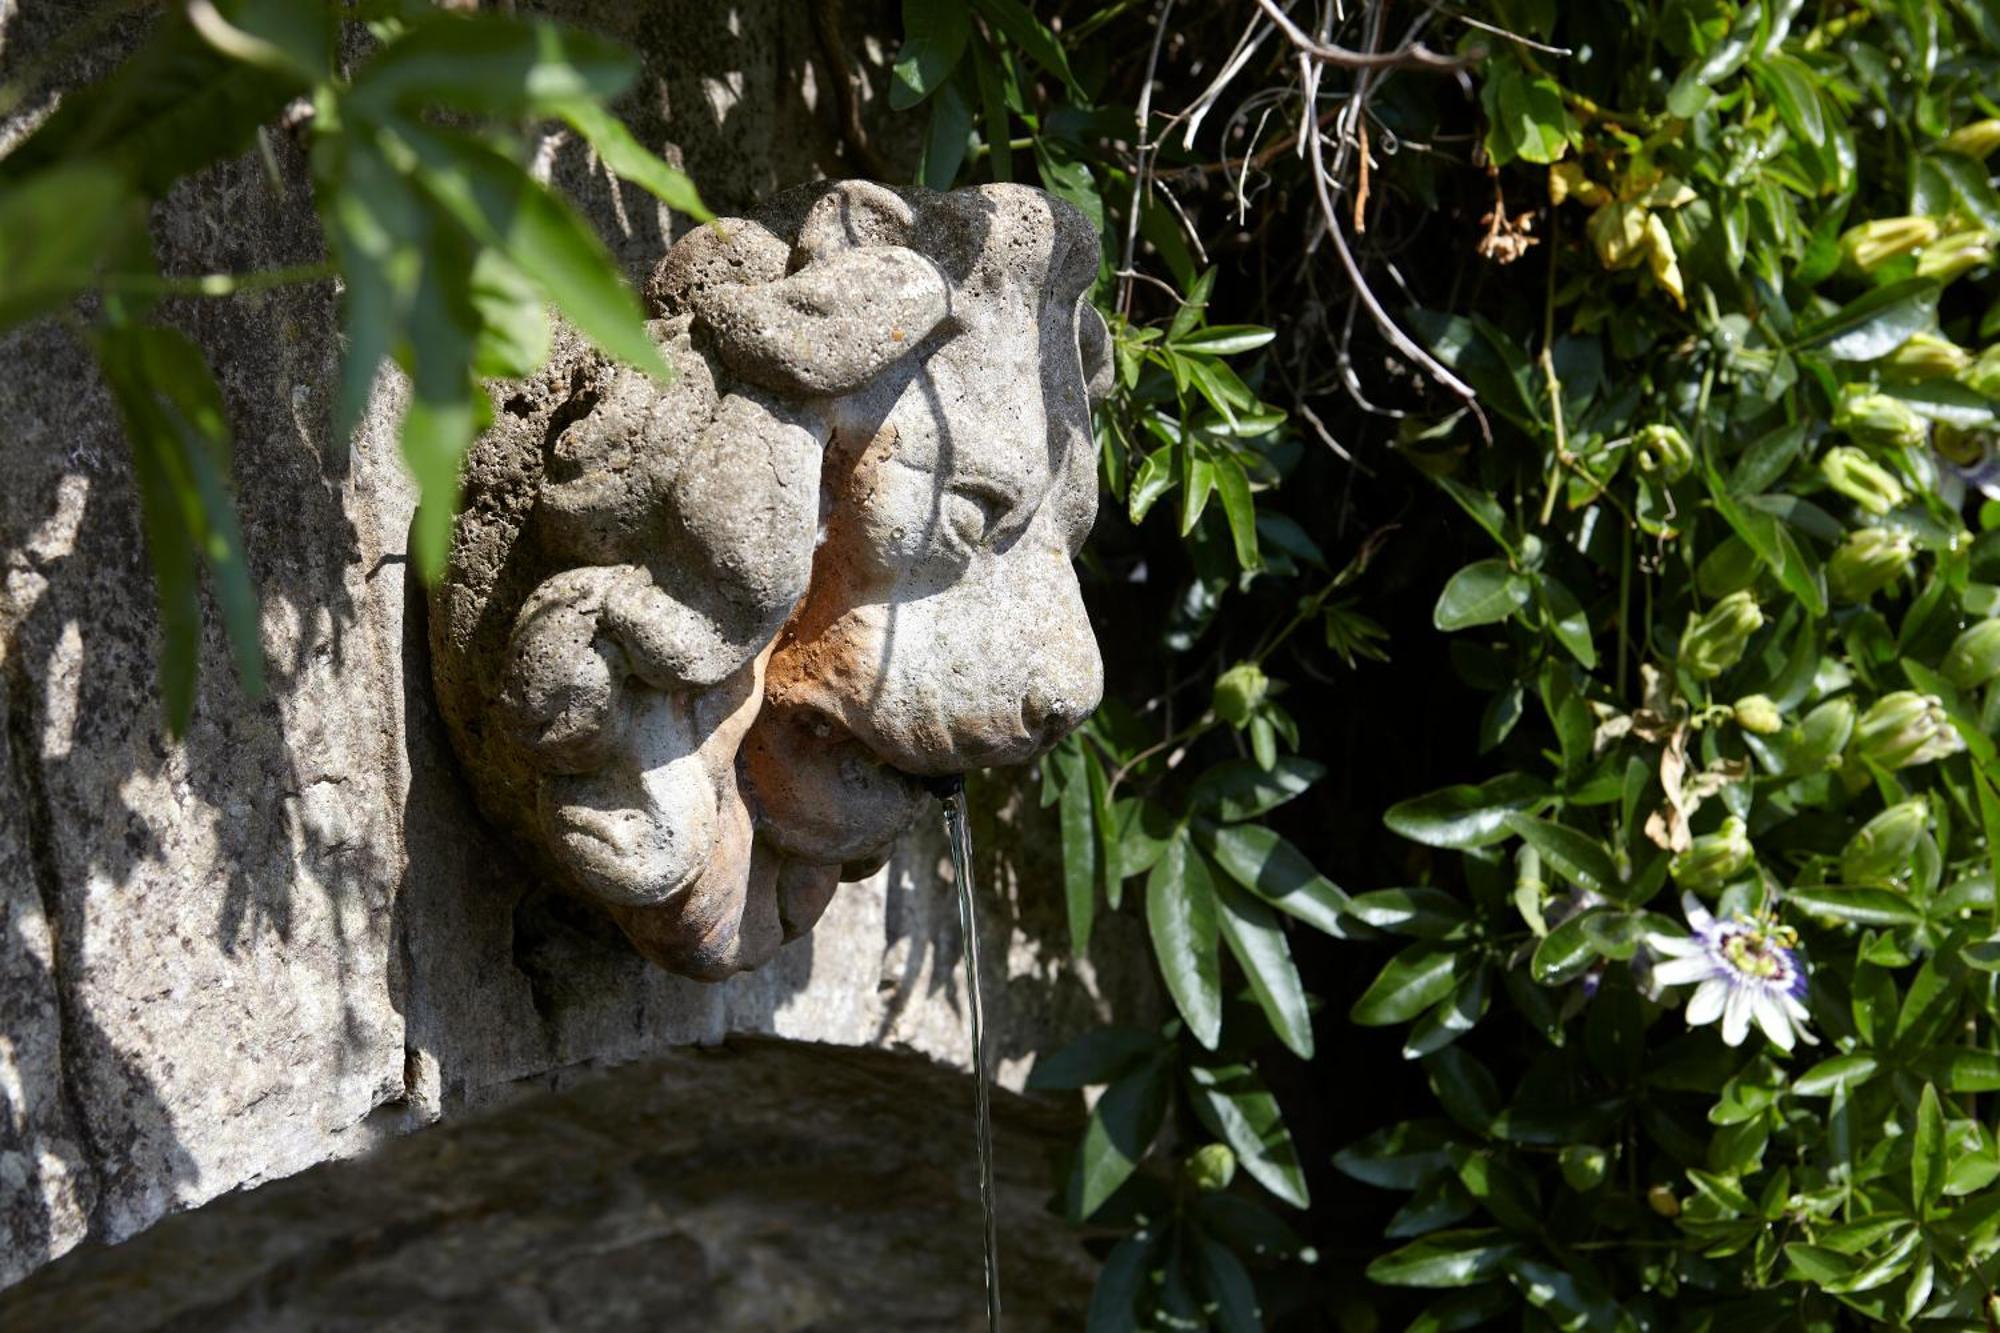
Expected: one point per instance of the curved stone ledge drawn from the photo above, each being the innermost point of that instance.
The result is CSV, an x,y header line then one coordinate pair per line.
x,y
765,1187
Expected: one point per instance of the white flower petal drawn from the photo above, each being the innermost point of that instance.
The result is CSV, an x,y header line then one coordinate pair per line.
x,y
1736,1015
1675,946
1771,1017
1706,1006
1696,914
1683,971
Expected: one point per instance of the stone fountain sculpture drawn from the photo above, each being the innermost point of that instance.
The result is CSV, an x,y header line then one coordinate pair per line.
x,y
703,648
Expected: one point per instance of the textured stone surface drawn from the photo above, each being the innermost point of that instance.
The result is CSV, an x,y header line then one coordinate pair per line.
x,y
291,935
684,1193
701,644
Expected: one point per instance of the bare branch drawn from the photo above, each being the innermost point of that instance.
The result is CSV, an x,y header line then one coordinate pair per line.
x,y
1414,56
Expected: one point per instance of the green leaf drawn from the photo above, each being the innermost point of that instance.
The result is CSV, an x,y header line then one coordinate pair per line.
x,y
174,106
376,228
1237,1108
513,339
1411,982
1875,323
1400,1156
1568,950
1224,339
1446,1259
1233,486
1033,40
1077,819
1465,1088
489,64
1424,913
1832,1075
947,138
1228,1287
1577,857
502,206
1571,1297
56,228
993,117
1525,114
1276,871
1812,1263
628,159
1766,459
934,37
1483,593
1100,1055
1465,816
1239,789
1256,937
1972,190
1567,621
1464,1309
1928,1159
1180,914
1123,1124
1860,906
1961,1069
1114,1301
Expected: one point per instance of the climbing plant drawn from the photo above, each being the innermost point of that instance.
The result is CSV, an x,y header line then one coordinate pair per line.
x,y
1700,969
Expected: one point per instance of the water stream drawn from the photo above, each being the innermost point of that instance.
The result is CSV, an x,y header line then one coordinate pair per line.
x,y
958,828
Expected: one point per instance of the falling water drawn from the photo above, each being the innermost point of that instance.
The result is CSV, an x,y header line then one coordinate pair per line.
x,y
958,829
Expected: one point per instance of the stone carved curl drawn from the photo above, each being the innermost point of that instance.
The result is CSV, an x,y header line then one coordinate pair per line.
x,y
699,646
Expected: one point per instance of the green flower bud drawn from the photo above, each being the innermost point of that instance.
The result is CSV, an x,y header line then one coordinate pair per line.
x,y
1660,1198
1880,852
1867,562
1861,479
1950,256
1714,641
1714,859
1904,729
1976,140
1210,1167
1873,244
1974,656
1238,691
1583,1166
1983,375
1662,452
1924,356
1756,713
1730,566
1823,734
1879,419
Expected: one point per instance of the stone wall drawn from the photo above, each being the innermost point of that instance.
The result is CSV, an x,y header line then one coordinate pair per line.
x,y
289,935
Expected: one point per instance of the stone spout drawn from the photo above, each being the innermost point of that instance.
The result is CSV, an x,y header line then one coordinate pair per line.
x,y
705,648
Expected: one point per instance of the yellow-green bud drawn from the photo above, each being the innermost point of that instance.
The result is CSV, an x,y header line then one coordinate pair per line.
x,y
1877,418
1974,656
1867,562
1714,641
1662,452
1904,729
1823,734
1714,859
1210,1167
1583,1166
1978,139
1730,566
1983,375
1756,713
1660,1198
1238,691
1873,244
1923,356
1949,256
1880,851
1861,479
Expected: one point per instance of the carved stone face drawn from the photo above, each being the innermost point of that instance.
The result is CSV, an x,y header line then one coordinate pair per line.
x,y
700,645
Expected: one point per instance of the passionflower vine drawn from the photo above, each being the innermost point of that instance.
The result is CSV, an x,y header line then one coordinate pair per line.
x,y
1744,969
